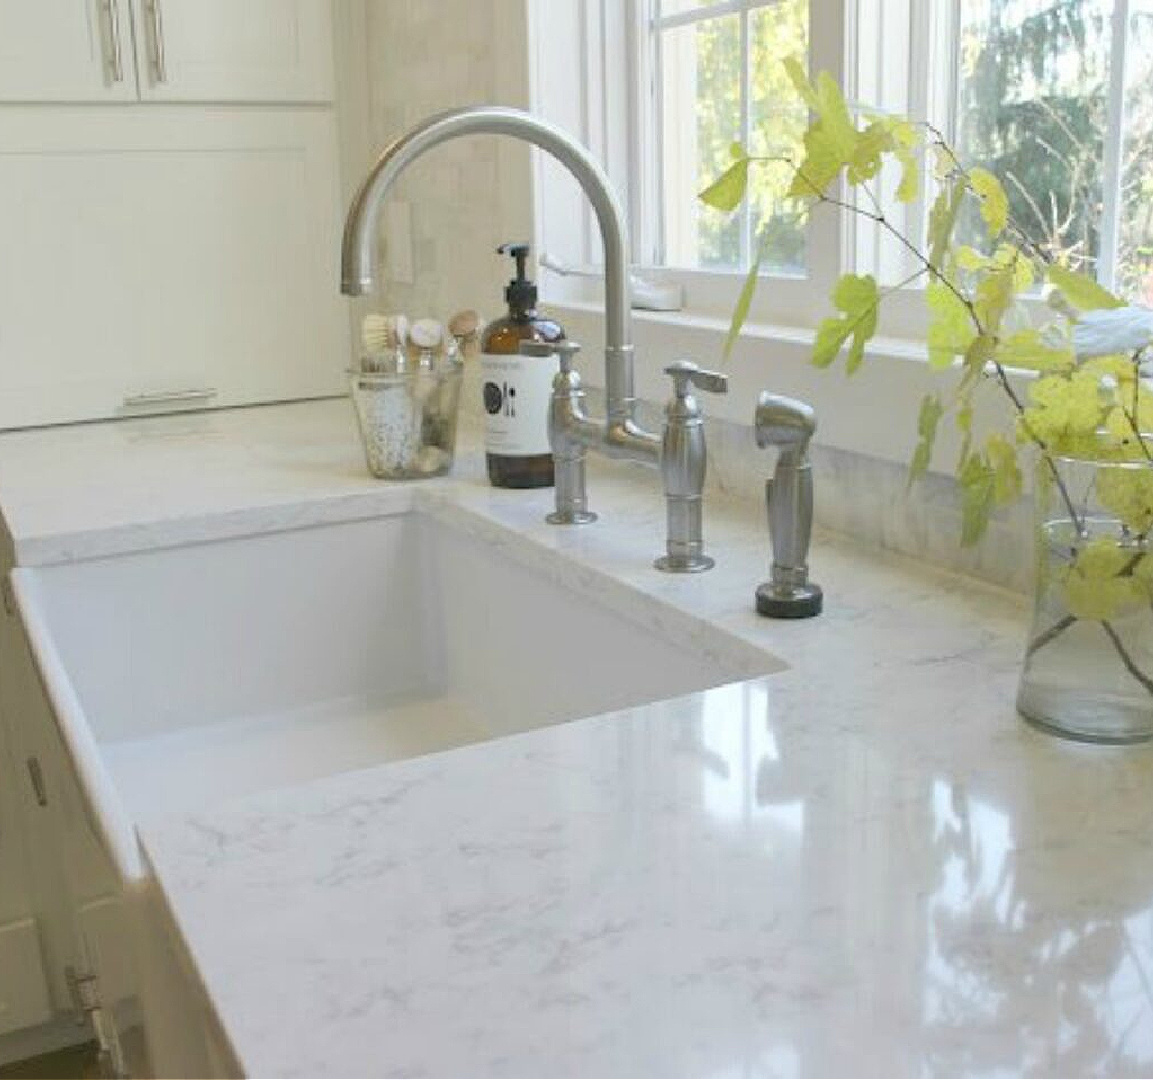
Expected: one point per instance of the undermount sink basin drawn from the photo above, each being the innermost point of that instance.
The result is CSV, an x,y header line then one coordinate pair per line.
x,y
186,676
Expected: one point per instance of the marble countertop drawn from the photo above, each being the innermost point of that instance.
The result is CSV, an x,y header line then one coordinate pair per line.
x,y
865,864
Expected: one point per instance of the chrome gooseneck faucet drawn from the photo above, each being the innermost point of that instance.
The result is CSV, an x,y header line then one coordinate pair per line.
x,y
573,431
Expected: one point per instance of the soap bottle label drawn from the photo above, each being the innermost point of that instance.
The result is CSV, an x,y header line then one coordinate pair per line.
x,y
516,392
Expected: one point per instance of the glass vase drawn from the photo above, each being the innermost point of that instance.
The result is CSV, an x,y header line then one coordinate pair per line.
x,y
1088,670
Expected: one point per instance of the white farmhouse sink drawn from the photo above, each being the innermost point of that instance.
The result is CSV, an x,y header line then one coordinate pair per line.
x,y
185,676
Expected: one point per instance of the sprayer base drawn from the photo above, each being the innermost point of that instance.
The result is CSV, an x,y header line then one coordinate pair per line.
x,y
571,517
680,564
797,602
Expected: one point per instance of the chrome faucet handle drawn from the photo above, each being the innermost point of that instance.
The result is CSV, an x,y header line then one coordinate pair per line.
x,y
788,424
685,373
564,349
570,490
683,468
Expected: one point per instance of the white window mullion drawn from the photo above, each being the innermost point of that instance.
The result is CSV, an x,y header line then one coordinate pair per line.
x,y
746,134
1109,248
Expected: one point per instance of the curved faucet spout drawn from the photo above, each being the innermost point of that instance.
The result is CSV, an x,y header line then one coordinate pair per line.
x,y
358,256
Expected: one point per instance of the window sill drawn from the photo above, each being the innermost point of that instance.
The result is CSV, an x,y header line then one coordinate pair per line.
x,y
874,412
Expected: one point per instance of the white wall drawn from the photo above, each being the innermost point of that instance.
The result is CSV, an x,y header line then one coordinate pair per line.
x,y
400,61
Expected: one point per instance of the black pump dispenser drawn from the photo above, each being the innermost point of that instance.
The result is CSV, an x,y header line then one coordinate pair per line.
x,y
520,292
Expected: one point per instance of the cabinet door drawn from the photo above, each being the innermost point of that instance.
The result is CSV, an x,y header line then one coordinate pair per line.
x,y
66,50
153,251
225,50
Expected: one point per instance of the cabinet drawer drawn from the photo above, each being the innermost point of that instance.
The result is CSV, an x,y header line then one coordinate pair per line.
x,y
154,249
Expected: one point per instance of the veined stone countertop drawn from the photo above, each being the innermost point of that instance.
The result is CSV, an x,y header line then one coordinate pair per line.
x,y
865,864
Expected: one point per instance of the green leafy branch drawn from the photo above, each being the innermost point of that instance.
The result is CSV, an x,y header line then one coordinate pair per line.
x,y
1078,407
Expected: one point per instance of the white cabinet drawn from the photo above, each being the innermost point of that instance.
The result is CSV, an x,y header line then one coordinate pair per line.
x,y
66,50
246,51
225,50
166,250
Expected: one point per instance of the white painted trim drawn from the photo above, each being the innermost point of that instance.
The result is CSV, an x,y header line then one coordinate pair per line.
x,y
1109,247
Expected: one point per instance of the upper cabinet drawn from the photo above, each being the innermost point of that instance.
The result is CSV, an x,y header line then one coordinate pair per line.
x,y
218,51
66,50
222,50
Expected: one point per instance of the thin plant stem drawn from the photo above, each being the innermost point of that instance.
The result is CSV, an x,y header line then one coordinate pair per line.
x,y
1054,631
1126,659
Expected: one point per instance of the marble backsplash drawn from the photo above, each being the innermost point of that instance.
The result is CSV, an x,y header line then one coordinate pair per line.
x,y
857,496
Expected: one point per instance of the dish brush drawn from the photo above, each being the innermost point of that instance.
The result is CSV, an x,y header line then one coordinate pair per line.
x,y
381,336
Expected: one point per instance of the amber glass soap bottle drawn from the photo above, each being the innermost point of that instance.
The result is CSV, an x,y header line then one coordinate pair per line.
x,y
517,388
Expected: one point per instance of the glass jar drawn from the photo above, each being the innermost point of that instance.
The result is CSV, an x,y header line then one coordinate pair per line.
x,y
1088,670
408,418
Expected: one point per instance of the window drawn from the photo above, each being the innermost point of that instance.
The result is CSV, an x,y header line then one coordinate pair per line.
x,y
720,78
1054,96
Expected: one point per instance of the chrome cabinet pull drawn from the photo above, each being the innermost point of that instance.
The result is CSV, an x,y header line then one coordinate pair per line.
x,y
167,397
111,10
36,775
156,32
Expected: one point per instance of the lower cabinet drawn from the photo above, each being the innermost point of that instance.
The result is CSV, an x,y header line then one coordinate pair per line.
x,y
73,958
24,998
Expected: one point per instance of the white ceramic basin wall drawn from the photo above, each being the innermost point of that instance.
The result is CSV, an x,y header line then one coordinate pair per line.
x,y
184,676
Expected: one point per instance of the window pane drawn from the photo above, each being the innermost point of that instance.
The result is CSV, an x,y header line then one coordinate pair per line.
x,y
776,33
700,119
1135,269
1032,106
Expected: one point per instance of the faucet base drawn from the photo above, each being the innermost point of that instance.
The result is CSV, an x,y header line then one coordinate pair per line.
x,y
570,517
684,564
789,601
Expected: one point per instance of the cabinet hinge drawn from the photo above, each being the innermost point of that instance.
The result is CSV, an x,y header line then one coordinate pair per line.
x,y
85,990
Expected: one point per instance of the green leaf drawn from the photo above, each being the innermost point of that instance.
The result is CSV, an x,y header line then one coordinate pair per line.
x,y
857,297
930,416
737,151
1027,349
951,330
799,77
1128,493
741,311
994,201
819,167
728,189
977,355
834,113
996,290
942,221
831,140
965,427
1002,456
978,483
1081,290
904,143
1064,411
1095,585
867,151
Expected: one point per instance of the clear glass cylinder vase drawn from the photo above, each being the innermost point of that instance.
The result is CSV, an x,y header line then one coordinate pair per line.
x,y
1088,670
